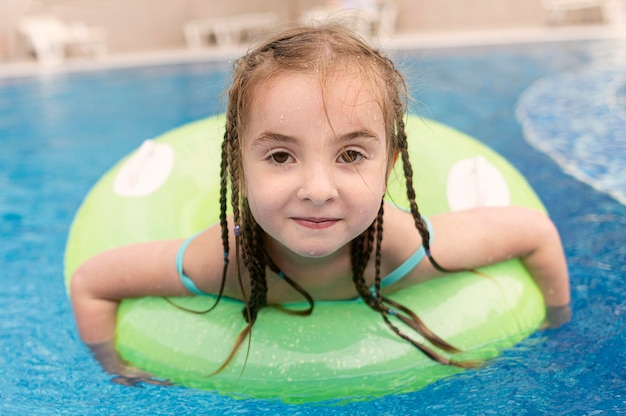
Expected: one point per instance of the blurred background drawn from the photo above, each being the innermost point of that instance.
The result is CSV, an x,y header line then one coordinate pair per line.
x,y
54,30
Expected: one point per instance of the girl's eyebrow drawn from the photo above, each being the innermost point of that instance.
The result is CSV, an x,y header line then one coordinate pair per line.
x,y
365,134
270,137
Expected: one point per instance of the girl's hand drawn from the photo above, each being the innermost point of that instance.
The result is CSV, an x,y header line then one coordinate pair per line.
x,y
557,316
111,362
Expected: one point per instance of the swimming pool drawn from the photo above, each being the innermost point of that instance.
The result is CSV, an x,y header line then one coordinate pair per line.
x,y
59,133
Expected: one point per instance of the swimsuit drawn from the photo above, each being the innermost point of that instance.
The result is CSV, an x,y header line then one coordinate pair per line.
x,y
393,277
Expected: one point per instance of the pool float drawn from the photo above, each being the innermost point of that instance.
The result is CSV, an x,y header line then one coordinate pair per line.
x,y
169,188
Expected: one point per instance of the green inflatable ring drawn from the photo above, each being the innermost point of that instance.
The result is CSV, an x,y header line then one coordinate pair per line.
x,y
168,189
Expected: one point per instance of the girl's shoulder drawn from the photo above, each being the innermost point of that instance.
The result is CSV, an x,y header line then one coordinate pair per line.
x,y
401,239
204,257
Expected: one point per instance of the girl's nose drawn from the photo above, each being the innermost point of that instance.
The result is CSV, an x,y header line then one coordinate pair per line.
x,y
318,186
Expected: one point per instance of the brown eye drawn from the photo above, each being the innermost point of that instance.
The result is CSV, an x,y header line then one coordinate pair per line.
x,y
351,156
280,157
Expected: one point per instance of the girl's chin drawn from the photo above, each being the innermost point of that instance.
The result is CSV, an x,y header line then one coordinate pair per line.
x,y
308,247
313,251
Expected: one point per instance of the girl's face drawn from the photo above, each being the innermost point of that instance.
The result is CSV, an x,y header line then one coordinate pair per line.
x,y
315,161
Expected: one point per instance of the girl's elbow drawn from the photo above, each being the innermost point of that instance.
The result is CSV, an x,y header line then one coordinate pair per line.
x,y
541,227
93,311
548,230
81,282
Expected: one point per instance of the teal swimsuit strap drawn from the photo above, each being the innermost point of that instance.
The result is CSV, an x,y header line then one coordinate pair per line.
x,y
409,264
393,277
186,280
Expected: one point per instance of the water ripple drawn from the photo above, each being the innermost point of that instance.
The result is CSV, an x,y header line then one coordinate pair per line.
x,y
579,119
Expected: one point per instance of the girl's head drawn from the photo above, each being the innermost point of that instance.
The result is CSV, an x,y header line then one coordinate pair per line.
x,y
333,57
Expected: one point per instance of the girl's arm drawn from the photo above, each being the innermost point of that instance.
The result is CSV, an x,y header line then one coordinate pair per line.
x,y
479,237
101,282
145,269
98,285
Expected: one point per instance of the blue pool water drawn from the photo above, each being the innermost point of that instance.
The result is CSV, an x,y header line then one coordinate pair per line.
x,y
59,133
579,119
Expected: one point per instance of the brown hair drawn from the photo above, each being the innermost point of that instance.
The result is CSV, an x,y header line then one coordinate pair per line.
x,y
323,50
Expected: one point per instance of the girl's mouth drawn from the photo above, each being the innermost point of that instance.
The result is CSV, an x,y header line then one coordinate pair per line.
x,y
316,223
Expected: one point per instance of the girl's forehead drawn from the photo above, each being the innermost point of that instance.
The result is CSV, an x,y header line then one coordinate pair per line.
x,y
346,86
305,104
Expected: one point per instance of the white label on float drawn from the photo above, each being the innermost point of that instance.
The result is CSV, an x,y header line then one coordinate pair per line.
x,y
145,171
474,182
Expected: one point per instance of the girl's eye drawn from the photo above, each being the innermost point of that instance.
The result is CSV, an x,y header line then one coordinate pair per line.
x,y
351,156
280,157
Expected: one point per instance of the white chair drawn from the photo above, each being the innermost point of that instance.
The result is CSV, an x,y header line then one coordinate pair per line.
x,y
558,9
226,31
49,38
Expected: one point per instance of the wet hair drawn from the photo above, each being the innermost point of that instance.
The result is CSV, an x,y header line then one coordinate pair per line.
x,y
323,51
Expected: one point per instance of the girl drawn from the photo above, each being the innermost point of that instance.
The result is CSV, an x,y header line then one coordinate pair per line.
x,y
314,127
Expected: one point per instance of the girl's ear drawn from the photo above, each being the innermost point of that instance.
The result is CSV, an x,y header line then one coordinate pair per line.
x,y
390,167
392,164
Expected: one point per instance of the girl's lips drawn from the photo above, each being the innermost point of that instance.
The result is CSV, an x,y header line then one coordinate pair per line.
x,y
316,223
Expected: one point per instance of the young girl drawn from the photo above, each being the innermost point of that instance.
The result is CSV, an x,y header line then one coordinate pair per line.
x,y
314,126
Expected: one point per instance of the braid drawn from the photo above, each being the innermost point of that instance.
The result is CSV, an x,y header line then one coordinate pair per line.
x,y
233,159
377,257
223,209
254,259
361,249
410,190
223,200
